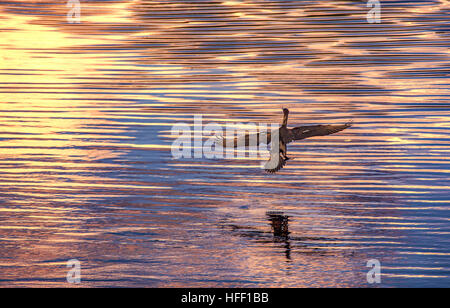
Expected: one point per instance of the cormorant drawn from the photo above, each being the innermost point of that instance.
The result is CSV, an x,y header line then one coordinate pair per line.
x,y
278,156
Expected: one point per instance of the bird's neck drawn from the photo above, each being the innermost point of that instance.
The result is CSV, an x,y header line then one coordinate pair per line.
x,y
285,119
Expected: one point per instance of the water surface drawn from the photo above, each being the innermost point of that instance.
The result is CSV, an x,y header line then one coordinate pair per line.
x,y
86,170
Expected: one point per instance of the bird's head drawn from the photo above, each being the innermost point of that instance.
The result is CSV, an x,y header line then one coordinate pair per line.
x,y
285,111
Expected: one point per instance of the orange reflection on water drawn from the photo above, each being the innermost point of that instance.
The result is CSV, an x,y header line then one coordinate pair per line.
x,y
85,164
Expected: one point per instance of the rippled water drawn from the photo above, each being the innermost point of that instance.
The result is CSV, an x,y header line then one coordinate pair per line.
x,y
86,170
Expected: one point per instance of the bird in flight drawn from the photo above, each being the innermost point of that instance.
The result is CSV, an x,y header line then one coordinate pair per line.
x,y
278,154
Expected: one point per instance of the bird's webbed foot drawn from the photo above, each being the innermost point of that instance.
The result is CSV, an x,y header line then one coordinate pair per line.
x,y
283,155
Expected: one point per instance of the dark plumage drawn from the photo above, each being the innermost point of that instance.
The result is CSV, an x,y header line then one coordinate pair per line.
x,y
279,158
278,155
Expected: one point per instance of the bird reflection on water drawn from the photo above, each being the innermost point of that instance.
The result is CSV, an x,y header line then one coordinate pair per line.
x,y
290,241
280,228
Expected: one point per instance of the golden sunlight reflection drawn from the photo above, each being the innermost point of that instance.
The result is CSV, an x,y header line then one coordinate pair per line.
x,y
86,171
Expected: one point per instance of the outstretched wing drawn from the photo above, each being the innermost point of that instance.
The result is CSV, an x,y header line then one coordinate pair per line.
x,y
302,132
275,162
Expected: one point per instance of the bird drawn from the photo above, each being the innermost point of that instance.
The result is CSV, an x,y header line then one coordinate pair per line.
x,y
278,154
